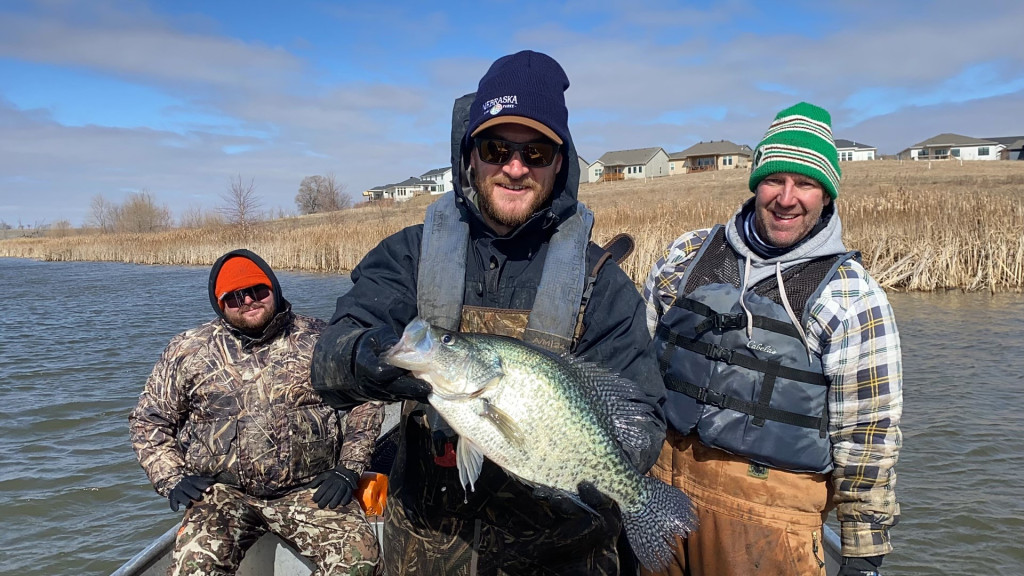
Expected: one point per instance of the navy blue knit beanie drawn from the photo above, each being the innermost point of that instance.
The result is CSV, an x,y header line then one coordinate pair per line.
x,y
525,88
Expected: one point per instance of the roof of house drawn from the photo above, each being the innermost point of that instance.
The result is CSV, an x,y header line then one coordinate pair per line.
x,y
629,157
713,148
842,144
952,140
437,171
412,181
1011,142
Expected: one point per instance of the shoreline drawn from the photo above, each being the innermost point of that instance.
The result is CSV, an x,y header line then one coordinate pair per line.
x,y
920,227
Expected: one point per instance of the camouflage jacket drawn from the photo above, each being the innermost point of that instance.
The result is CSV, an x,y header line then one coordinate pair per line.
x,y
244,413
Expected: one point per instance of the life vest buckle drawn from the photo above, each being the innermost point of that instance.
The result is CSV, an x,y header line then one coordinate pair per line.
x,y
710,397
720,353
723,322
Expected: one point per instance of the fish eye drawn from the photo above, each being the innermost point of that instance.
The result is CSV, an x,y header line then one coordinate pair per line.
x,y
447,338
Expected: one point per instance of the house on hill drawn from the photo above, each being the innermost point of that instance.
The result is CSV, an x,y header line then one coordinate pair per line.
x,y
404,190
850,151
375,193
442,179
714,155
1014,147
629,164
956,146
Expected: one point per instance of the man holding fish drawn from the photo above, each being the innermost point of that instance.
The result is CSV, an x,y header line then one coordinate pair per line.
x,y
508,252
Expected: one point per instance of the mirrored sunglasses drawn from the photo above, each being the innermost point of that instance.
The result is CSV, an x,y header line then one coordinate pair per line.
x,y
236,298
533,154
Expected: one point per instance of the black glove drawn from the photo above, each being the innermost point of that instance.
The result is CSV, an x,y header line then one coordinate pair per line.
x,y
562,503
336,487
380,379
857,566
188,490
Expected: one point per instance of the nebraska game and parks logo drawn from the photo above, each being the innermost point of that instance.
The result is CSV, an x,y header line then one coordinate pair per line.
x,y
496,105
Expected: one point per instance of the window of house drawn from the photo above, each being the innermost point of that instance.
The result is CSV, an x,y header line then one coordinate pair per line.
x,y
955,152
727,161
940,152
639,169
983,151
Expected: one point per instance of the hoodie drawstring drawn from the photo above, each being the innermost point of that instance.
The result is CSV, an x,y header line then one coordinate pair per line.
x,y
785,303
789,310
743,304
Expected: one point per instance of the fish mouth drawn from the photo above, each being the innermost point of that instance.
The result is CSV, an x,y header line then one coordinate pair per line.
x,y
412,351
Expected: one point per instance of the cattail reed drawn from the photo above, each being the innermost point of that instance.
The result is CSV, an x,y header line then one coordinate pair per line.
x,y
918,227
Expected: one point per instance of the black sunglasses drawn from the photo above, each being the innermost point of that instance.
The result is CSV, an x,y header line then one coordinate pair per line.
x,y
236,298
533,154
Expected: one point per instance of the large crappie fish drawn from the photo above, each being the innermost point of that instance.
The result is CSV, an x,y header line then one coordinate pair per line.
x,y
548,420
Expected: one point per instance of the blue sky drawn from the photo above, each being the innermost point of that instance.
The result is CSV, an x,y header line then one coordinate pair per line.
x,y
177,98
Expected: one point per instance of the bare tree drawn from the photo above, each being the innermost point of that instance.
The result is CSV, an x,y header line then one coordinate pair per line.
x,y
102,214
318,194
60,229
241,205
140,214
196,217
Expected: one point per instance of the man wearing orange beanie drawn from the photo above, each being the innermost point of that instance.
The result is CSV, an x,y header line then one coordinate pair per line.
x,y
229,426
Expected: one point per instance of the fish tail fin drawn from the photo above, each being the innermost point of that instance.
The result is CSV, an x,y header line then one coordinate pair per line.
x,y
652,527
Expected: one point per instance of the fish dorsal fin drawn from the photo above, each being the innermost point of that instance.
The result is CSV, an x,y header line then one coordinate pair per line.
x,y
615,394
469,460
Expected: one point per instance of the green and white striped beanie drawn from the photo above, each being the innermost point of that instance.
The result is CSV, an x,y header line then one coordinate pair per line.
x,y
799,141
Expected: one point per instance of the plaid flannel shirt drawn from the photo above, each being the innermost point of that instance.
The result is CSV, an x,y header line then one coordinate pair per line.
x,y
852,327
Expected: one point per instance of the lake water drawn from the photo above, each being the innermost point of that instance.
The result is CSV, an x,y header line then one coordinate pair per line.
x,y
77,341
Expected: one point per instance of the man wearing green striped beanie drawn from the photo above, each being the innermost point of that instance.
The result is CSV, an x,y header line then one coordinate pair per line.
x,y
782,363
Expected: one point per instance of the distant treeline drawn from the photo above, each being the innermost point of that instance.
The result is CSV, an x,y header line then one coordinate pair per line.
x,y
919,226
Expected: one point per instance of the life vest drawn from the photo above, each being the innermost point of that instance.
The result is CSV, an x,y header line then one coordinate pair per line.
x,y
763,397
552,321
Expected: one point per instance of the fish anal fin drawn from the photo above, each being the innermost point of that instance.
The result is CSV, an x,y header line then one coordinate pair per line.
x,y
469,459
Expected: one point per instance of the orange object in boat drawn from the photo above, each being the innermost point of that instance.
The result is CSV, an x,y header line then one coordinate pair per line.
x,y
373,493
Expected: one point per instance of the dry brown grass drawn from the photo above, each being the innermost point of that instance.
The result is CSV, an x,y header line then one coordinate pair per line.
x,y
919,228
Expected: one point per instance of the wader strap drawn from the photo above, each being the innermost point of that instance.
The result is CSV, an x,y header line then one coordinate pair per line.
x,y
442,271
735,358
553,317
715,398
736,321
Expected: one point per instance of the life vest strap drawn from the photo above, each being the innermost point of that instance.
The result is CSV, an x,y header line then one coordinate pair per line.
x,y
737,358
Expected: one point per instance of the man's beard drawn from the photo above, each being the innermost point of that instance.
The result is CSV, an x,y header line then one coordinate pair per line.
x,y
253,325
485,196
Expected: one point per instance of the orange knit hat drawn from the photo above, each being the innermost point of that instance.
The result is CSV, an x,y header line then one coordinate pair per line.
x,y
237,273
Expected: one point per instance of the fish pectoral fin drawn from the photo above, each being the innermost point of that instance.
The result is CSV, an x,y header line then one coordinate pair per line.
x,y
469,459
504,423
